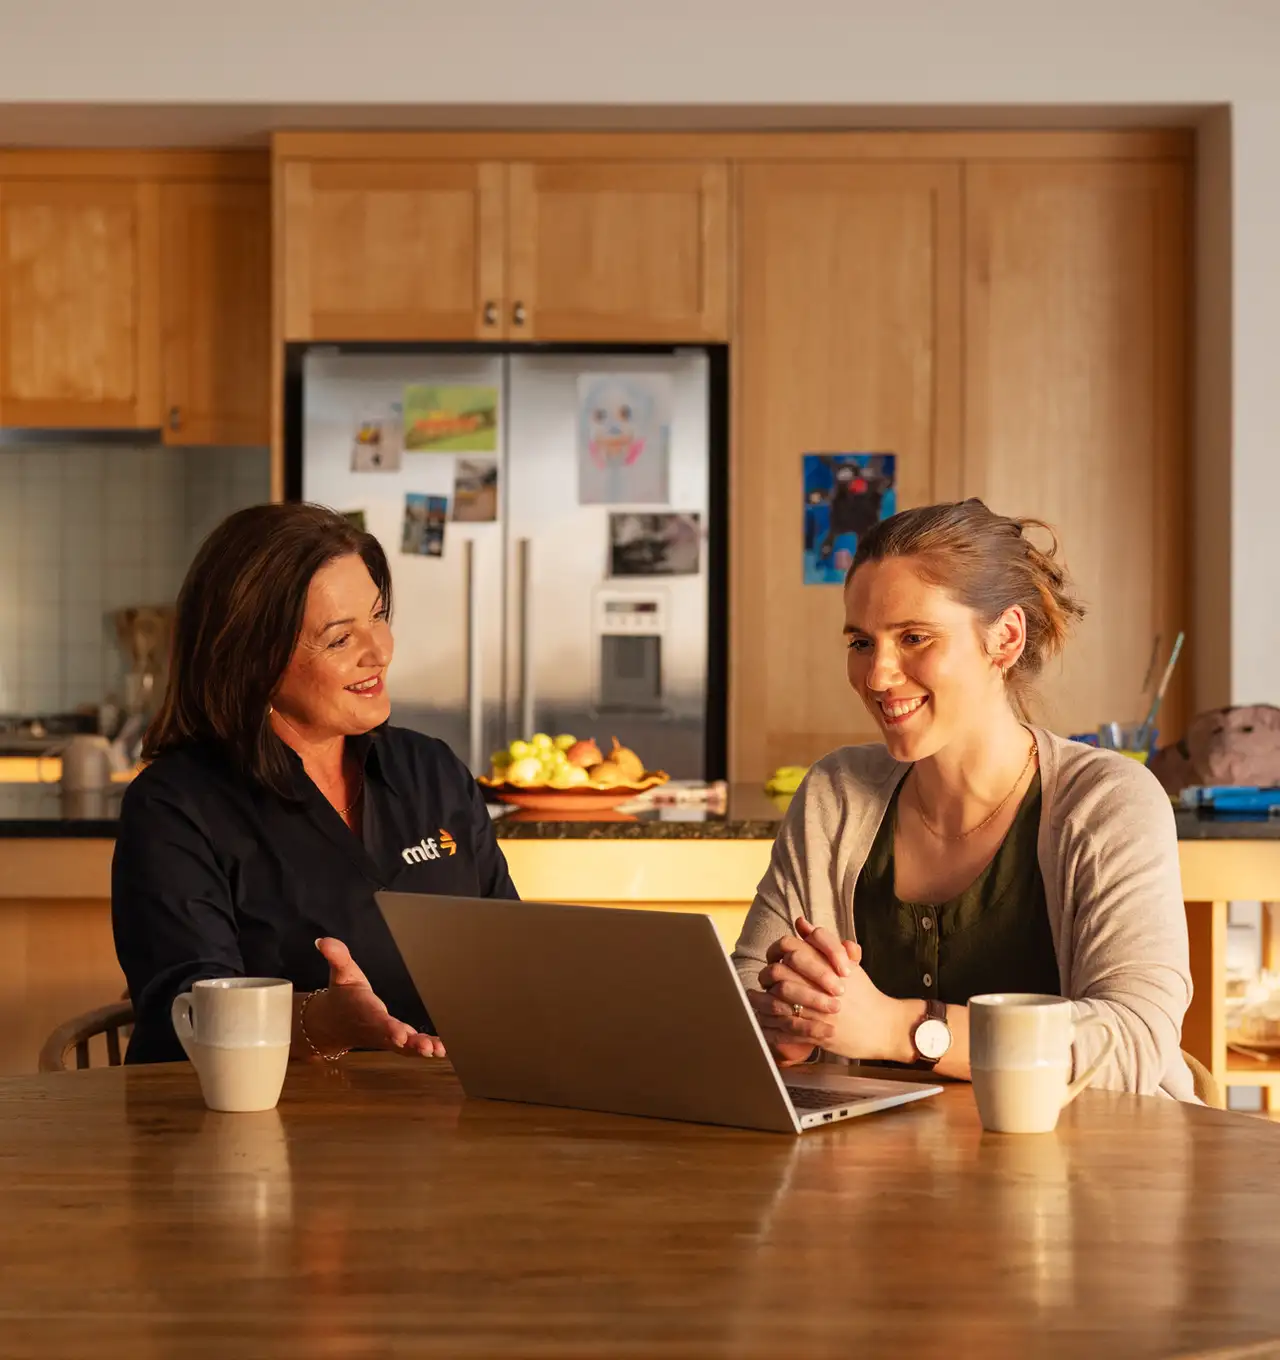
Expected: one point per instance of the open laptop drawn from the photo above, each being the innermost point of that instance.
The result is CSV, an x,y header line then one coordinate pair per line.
x,y
614,1009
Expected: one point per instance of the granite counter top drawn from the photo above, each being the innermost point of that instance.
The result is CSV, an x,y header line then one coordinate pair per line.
x,y
41,811
33,811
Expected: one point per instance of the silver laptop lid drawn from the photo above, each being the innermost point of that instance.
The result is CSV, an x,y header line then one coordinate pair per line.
x,y
615,1009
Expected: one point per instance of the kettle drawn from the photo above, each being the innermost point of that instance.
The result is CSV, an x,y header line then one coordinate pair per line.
x,y
87,763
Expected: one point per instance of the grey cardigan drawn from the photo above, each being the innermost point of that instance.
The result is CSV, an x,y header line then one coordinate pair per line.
x,y
1108,854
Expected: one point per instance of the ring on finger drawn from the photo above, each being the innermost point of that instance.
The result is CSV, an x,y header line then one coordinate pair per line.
x,y
797,1009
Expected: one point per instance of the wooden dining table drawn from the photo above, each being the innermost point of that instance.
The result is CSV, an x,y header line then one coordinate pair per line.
x,y
378,1212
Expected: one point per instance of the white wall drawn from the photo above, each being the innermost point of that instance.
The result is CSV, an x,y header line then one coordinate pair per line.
x,y
626,51
1209,655
762,52
1255,471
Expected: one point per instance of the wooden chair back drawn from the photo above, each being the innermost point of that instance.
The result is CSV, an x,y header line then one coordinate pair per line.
x,y
1206,1085
75,1034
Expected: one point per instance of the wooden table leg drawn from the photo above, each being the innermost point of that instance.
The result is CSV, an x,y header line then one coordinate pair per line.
x,y
1270,960
1204,1031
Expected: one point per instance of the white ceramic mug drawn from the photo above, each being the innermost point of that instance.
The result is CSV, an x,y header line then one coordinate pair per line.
x,y
1020,1059
237,1031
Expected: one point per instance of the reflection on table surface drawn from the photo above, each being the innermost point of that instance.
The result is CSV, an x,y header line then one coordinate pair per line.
x,y
376,1209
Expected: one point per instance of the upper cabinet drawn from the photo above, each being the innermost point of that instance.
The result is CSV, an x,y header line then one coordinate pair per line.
x,y
215,250
624,251
135,293
79,303
392,250
412,248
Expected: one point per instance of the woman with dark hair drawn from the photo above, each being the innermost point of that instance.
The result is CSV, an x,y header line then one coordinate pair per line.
x,y
972,851
277,799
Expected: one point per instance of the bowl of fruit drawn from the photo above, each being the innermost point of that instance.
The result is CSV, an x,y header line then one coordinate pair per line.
x,y
563,774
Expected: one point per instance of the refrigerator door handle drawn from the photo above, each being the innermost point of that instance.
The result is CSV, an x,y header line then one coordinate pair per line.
x,y
475,692
524,559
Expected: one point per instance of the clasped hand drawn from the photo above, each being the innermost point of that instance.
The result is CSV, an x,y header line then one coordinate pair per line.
x,y
841,1009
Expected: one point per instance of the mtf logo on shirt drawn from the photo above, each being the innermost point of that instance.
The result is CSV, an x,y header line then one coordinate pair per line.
x,y
429,848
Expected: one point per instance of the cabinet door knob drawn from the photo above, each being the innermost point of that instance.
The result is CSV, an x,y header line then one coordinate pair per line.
x,y
175,417
490,313
517,314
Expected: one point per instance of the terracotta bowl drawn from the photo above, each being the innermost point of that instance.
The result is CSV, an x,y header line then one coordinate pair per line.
x,y
543,798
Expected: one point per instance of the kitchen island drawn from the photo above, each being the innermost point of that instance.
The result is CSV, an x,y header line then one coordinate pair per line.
x,y
55,870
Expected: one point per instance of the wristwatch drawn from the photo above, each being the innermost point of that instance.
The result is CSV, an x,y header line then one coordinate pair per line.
x,y
931,1035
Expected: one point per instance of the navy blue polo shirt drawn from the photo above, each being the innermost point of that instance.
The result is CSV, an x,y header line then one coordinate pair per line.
x,y
215,876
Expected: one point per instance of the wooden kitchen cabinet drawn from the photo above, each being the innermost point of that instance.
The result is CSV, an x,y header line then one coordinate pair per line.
x,y
1076,406
79,302
848,333
407,247
391,249
618,251
1012,325
215,247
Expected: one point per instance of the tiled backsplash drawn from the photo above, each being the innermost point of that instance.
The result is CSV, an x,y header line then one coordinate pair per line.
x,y
87,528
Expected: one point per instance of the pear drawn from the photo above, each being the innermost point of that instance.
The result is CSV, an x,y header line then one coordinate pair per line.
x,y
584,753
606,775
628,762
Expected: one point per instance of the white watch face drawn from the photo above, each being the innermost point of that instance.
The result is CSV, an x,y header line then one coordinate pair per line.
x,y
932,1039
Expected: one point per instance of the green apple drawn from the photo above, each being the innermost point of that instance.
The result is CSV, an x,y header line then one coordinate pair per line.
x,y
541,742
501,759
565,740
568,777
520,749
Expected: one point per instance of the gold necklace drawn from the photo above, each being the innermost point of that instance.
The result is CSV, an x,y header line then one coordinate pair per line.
x,y
342,812
942,835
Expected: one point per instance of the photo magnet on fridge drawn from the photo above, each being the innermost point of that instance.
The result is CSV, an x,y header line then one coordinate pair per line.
x,y
654,545
424,519
475,490
450,419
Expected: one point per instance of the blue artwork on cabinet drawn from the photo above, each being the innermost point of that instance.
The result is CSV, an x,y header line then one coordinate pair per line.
x,y
844,495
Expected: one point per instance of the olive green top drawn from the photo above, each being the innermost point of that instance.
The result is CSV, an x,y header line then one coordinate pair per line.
x,y
993,937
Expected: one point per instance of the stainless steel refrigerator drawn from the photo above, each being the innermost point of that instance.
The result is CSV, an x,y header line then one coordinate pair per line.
x,y
524,624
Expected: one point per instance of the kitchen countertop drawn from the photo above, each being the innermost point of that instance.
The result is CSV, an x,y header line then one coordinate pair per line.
x,y
29,811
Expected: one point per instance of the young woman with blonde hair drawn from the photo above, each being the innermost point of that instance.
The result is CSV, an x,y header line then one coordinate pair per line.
x,y
972,851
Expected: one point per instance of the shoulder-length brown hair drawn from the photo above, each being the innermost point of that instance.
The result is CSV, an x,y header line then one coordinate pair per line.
x,y
238,618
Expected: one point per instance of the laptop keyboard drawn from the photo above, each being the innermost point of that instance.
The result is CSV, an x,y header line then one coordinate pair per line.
x,y
815,1098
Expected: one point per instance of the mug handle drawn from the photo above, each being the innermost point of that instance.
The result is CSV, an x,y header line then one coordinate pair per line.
x,y
1091,1071
180,1012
